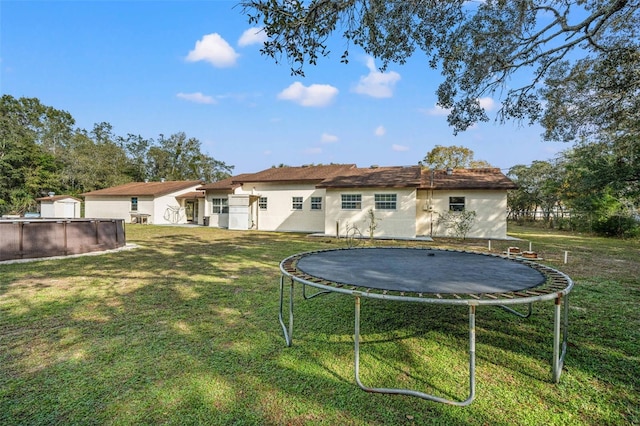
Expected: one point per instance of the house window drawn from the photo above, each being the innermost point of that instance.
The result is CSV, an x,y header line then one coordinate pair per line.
x,y
316,203
134,204
456,204
296,203
351,201
262,203
219,205
385,201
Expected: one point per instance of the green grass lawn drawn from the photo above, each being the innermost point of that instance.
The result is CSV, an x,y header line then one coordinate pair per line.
x,y
184,330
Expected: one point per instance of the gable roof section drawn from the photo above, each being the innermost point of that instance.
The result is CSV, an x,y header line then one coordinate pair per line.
x,y
375,177
154,189
487,178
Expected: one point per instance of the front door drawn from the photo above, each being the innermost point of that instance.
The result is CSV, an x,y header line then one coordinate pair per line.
x,y
191,211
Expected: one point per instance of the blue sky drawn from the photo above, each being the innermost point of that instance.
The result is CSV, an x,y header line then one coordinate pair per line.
x,y
161,67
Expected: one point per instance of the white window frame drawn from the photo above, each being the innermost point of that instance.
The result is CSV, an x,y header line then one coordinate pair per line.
x,y
316,203
262,203
296,203
351,201
219,205
386,201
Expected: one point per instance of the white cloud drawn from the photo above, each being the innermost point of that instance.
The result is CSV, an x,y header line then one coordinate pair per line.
x,y
399,148
328,138
316,95
380,131
487,103
196,97
213,49
377,84
251,36
437,111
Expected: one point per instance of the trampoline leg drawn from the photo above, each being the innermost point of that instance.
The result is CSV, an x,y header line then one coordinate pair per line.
x,y
288,332
408,392
520,314
558,323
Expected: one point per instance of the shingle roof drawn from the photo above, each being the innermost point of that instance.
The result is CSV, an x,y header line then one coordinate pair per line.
x,y
227,184
375,177
350,176
296,174
487,178
145,188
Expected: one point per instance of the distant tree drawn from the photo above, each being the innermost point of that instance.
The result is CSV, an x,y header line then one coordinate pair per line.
x,y
541,186
596,105
137,150
26,166
455,157
600,184
180,158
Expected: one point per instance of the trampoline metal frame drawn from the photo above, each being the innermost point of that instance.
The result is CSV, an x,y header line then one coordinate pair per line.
x,y
557,288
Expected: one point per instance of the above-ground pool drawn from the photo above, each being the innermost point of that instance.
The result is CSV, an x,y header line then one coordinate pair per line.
x,y
34,238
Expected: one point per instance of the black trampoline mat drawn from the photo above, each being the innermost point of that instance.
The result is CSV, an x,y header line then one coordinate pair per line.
x,y
421,270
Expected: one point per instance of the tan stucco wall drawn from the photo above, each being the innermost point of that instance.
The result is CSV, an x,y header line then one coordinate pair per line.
x,y
398,223
490,207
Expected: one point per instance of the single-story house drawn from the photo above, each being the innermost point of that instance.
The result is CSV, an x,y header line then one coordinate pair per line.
x,y
163,202
59,206
405,202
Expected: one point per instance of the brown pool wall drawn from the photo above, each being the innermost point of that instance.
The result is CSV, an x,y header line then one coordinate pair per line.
x,y
33,238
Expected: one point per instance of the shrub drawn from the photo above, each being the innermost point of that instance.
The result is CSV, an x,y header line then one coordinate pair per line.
x,y
618,225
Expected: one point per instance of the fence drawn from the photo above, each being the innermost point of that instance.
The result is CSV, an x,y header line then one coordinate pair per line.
x,y
31,238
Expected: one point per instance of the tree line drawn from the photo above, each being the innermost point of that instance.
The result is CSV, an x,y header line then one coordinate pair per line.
x,y
42,151
593,187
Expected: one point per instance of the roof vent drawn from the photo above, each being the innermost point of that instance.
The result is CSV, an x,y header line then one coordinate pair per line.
x,y
449,171
51,194
162,179
146,181
374,166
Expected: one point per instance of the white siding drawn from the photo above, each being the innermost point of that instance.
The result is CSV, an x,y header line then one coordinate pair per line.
x,y
399,223
490,207
119,207
61,208
279,215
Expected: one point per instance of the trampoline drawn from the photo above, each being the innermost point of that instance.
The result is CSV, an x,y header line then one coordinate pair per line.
x,y
435,276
